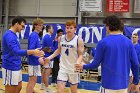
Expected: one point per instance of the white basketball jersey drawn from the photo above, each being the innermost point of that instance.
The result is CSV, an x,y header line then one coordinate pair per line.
x,y
69,54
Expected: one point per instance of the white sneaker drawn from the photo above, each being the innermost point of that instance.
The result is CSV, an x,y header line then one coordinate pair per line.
x,y
53,84
48,91
42,86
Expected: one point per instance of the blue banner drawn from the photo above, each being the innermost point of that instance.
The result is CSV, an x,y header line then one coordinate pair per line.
x,y
89,33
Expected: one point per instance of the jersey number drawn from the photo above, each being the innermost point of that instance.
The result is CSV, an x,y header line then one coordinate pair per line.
x,y
67,52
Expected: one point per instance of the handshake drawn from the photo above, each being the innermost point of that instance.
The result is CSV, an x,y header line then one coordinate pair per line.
x,y
40,53
78,67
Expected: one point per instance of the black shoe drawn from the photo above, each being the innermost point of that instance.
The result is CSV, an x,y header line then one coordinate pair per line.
x,y
82,77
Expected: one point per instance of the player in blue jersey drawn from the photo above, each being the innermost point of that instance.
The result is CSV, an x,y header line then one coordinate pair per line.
x,y
47,42
135,39
71,48
117,55
34,69
11,56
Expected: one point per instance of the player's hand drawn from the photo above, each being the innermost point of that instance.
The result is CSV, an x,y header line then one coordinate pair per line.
x,y
38,53
46,61
42,53
79,67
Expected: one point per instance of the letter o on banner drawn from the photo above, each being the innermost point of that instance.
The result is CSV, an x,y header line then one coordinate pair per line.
x,y
87,33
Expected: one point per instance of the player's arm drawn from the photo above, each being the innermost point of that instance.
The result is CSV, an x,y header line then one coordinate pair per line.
x,y
14,47
134,65
57,51
80,50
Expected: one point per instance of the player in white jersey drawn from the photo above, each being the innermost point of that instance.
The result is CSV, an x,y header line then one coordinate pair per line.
x,y
71,48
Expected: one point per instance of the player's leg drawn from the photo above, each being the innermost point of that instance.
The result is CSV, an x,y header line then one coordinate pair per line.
x,y
61,86
42,78
12,80
31,84
46,80
61,81
10,89
47,74
33,71
19,87
73,88
74,79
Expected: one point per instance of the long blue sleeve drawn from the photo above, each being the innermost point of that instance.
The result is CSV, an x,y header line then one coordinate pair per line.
x,y
134,65
11,51
13,45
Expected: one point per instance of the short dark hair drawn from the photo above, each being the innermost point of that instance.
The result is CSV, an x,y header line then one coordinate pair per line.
x,y
135,34
59,30
18,19
113,22
48,27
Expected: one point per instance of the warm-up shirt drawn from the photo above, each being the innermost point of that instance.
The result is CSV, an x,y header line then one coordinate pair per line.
x,y
33,43
117,55
47,42
11,51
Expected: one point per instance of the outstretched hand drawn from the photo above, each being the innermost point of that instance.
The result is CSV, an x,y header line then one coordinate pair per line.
x,y
79,67
38,52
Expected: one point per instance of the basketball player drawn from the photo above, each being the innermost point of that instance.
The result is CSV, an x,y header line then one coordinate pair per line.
x,y
11,56
34,69
47,43
117,55
135,39
56,61
71,48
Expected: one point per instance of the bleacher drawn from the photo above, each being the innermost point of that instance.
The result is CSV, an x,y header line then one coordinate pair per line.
x,y
24,45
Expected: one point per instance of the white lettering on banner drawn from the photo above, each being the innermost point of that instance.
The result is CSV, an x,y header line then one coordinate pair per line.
x,y
97,33
136,30
87,34
31,27
58,27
